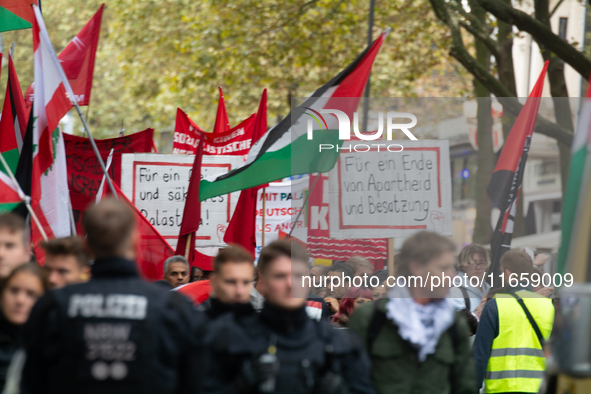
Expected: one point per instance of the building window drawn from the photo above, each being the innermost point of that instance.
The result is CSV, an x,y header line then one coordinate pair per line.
x,y
562,28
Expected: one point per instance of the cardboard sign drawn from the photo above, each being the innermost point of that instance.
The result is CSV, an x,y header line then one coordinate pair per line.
x,y
383,194
157,184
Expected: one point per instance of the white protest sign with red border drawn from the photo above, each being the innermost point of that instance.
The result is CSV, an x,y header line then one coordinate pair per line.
x,y
157,185
385,194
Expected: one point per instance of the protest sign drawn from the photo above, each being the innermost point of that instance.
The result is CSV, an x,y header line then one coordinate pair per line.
x,y
284,200
383,194
84,171
321,245
157,184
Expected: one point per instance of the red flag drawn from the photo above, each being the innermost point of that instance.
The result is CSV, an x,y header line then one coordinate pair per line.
x,y
242,227
505,184
196,291
221,119
77,60
192,211
152,249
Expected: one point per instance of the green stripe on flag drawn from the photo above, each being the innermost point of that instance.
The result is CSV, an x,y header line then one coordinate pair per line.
x,y
570,202
10,21
272,166
11,157
9,207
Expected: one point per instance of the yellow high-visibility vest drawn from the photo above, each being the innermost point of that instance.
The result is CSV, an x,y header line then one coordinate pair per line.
x,y
517,361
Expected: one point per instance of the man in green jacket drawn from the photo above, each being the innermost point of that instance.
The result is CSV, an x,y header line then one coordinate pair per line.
x,y
417,342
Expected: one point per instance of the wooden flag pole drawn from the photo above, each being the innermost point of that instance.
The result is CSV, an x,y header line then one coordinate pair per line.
x,y
391,256
264,205
188,246
26,198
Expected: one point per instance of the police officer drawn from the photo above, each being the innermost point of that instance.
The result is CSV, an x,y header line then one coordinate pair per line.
x,y
116,333
231,283
280,349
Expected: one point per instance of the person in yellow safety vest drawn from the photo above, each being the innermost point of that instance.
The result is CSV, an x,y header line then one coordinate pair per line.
x,y
508,349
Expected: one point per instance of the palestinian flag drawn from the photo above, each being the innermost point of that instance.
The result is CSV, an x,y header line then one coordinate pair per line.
x,y
270,158
10,193
16,14
574,255
14,120
505,185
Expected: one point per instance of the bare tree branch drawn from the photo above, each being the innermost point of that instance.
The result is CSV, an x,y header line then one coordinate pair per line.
x,y
509,102
542,34
555,7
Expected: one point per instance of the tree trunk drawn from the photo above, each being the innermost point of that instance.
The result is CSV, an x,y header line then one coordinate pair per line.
x,y
486,159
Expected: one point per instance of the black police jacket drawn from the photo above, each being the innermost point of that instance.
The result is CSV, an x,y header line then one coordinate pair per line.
x,y
114,334
10,342
307,352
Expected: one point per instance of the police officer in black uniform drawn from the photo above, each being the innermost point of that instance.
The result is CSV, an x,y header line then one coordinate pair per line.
x,y
231,283
116,333
280,349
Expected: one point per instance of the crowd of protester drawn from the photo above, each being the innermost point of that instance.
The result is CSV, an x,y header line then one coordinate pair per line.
x,y
85,322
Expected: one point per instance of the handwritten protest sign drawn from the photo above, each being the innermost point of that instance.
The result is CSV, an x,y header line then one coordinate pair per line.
x,y
382,194
157,184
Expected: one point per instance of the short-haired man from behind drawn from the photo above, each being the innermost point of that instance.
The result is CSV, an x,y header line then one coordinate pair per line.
x,y
65,262
14,249
176,271
280,349
231,283
72,332
513,328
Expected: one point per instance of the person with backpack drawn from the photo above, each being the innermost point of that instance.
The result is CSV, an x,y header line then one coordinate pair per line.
x,y
417,341
513,328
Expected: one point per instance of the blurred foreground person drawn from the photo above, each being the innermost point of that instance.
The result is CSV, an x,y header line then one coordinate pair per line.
x,y
65,262
280,349
418,343
176,271
231,283
25,284
514,325
115,333
355,297
14,249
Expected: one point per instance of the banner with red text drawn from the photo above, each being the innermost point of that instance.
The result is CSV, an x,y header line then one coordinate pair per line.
x,y
235,141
